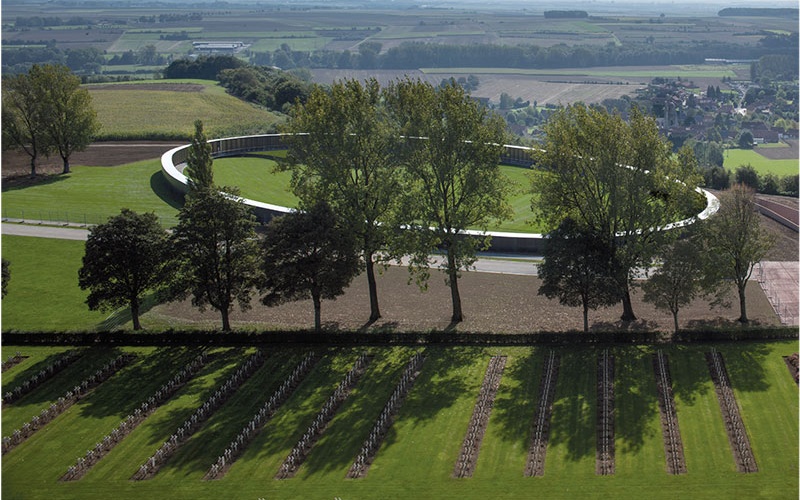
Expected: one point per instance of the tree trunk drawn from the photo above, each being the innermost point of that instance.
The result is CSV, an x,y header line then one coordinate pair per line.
x,y
452,272
226,324
585,317
675,319
627,305
375,312
33,167
317,312
742,304
66,165
135,314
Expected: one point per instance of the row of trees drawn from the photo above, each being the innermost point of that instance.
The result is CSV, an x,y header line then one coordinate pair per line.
x,y
404,171
413,55
44,112
213,254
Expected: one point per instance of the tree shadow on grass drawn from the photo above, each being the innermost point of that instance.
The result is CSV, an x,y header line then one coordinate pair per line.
x,y
130,387
635,397
515,404
17,182
573,421
164,191
122,316
343,439
197,454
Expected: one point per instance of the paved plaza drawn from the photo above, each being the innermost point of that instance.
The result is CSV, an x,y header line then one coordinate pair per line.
x,y
780,282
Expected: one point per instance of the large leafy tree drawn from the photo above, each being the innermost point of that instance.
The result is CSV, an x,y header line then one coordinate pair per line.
x,y
307,254
616,179
70,121
23,118
575,269
736,241
679,279
45,110
125,258
344,154
217,251
452,181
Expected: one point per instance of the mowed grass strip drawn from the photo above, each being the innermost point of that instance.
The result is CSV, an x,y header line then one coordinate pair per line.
x,y
735,158
124,460
35,360
263,458
197,454
13,416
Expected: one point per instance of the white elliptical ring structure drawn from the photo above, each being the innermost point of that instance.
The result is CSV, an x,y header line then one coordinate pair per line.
x,y
174,161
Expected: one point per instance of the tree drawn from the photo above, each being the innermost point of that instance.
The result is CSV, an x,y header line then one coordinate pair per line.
x,y
575,269
125,258
216,248
45,110
616,179
747,175
198,160
746,140
453,182
346,158
307,254
23,117
6,276
70,121
680,278
736,241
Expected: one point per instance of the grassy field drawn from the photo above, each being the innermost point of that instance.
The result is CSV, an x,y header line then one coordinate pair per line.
x,y
48,268
92,194
419,453
258,180
155,109
735,158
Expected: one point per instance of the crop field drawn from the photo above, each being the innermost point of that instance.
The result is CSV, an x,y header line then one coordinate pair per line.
x,y
418,452
735,158
167,109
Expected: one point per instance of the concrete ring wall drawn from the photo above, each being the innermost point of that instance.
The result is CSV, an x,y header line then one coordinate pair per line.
x,y
174,161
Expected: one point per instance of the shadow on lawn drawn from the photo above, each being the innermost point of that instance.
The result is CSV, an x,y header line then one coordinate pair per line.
x,y
164,191
17,182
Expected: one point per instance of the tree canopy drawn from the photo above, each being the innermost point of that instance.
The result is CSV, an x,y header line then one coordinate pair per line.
x,y
617,179
125,258
344,154
575,269
736,241
307,254
451,155
216,251
45,110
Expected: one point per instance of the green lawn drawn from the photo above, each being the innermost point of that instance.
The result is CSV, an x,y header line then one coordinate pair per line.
x,y
92,194
418,455
256,177
735,158
43,292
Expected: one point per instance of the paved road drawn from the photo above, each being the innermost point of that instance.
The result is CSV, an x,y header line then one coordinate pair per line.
x,y
489,263
40,231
